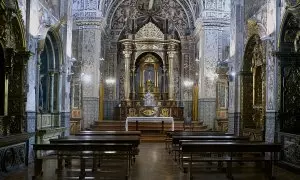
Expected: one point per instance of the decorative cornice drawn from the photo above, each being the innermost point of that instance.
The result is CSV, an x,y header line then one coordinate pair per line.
x,y
87,22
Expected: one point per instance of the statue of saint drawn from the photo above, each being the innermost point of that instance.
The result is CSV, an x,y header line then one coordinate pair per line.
x,y
149,99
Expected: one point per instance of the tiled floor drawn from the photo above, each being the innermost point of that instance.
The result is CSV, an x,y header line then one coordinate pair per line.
x,y
154,163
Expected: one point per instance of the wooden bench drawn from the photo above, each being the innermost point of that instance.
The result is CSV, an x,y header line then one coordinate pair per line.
x,y
193,148
170,134
176,139
113,133
67,148
133,140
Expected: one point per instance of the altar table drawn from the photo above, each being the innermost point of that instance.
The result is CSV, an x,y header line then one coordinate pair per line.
x,y
149,119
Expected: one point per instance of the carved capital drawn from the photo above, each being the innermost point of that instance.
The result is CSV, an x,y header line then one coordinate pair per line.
x,y
171,54
127,54
127,46
22,57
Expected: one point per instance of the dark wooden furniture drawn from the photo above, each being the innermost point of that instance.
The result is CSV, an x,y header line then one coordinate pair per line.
x,y
134,140
230,148
170,134
114,133
67,149
176,139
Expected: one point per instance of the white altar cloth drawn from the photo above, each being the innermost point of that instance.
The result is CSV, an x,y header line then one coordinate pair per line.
x,y
149,119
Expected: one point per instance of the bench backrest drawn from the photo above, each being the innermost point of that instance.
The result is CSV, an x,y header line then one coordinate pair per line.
x,y
84,147
115,133
176,139
196,133
135,140
230,147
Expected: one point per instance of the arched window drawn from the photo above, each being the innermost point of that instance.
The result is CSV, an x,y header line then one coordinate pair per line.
x,y
49,75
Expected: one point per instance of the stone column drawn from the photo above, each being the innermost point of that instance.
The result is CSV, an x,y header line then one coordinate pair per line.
x,y
171,55
9,54
127,57
16,96
51,74
164,82
235,59
133,82
89,42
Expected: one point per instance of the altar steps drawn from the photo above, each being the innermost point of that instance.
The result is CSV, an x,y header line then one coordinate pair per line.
x,y
108,125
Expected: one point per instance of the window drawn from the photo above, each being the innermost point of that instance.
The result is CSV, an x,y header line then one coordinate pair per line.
x,y
49,83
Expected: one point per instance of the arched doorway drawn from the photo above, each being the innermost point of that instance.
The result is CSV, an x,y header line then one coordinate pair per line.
x,y
253,90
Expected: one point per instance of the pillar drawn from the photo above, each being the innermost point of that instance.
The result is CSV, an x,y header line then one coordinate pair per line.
x,y
236,55
171,55
51,91
16,96
164,82
89,50
133,82
9,53
127,57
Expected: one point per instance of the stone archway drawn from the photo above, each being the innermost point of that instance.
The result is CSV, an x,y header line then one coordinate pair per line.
x,y
288,85
253,89
13,59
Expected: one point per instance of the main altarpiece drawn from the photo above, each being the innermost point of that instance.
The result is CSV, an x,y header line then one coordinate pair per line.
x,y
149,52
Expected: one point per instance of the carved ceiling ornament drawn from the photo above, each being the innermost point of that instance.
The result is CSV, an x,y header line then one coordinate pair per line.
x,y
178,12
292,2
149,31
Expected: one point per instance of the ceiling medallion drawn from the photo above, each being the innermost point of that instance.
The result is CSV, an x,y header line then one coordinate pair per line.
x,y
149,6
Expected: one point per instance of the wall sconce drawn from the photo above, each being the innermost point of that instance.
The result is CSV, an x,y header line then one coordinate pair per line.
x,y
110,81
232,76
211,76
188,83
86,78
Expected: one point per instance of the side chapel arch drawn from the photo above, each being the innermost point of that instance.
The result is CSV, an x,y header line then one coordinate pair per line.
x,y
50,66
289,56
253,89
14,57
288,85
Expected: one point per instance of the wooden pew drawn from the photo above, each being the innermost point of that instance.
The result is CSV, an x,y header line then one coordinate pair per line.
x,y
61,148
231,148
170,134
134,140
176,139
114,133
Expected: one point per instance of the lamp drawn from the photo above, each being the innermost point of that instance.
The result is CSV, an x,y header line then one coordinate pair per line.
x,y
188,83
110,81
86,78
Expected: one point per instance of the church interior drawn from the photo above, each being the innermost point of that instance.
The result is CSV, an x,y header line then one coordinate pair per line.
x,y
149,89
